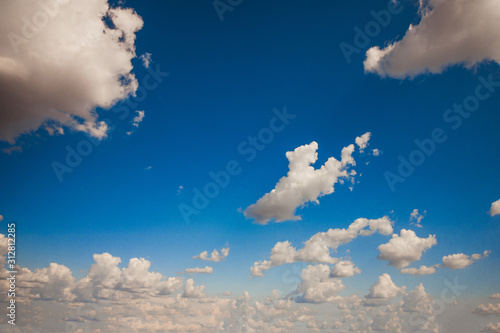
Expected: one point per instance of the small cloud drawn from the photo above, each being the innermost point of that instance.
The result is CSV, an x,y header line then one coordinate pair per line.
x,y
214,256
198,270
376,152
12,149
146,59
179,189
495,208
138,119
148,168
416,218
362,141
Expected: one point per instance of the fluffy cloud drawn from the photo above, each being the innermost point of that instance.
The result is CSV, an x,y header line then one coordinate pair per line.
x,y
318,286
81,63
318,247
492,328
384,288
214,256
418,300
345,269
192,291
495,208
206,270
460,260
402,250
423,270
303,183
362,141
487,309
495,296
416,218
449,32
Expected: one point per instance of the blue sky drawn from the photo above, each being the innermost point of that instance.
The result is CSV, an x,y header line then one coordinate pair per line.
x,y
224,80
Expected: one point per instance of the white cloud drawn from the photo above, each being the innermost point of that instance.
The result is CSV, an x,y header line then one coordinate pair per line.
x,y
402,250
206,270
345,269
80,64
362,141
423,270
303,183
192,291
418,300
146,59
495,208
492,328
416,218
318,286
376,152
487,309
384,288
214,256
460,260
318,247
495,296
138,119
449,33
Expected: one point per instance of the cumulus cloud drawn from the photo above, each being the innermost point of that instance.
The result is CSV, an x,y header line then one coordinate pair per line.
x,y
492,328
345,269
303,183
192,291
318,286
81,64
495,296
362,141
205,270
416,218
384,288
487,309
449,33
318,247
402,250
418,300
215,256
495,208
460,260
422,270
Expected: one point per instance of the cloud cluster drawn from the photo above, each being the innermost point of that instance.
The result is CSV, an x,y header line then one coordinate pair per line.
x,y
304,183
462,32
317,249
318,286
215,256
60,60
